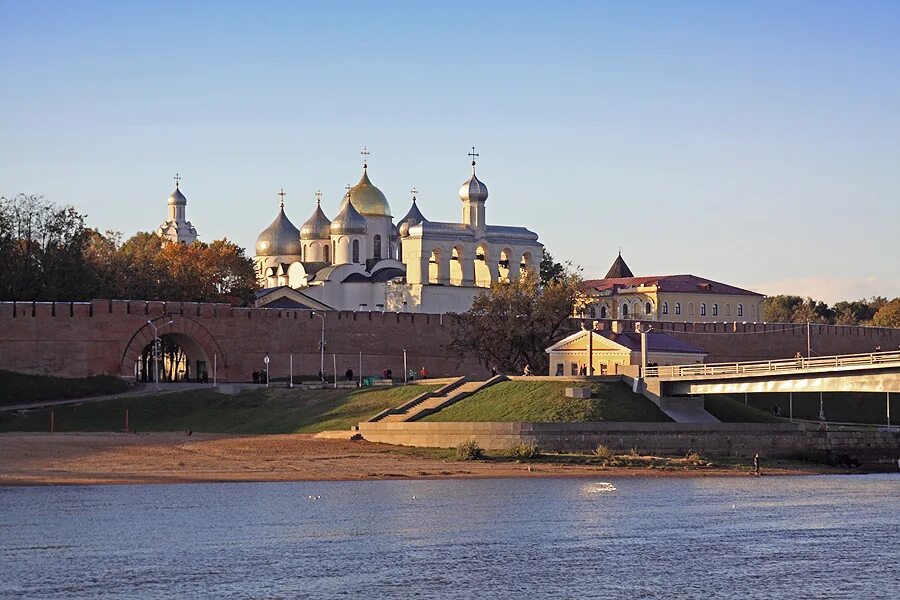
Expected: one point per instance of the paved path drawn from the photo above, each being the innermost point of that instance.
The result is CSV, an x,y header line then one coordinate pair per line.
x,y
140,390
690,415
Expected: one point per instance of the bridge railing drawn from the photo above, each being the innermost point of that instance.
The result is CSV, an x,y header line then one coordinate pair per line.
x,y
774,366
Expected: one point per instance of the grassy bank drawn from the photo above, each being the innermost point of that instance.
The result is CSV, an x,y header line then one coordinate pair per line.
x,y
274,410
18,388
546,402
843,407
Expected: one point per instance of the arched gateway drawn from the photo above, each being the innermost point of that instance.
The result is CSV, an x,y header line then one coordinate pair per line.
x,y
187,352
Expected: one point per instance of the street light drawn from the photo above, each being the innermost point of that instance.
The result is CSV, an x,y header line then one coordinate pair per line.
x,y
156,342
322,348
266,360
405,372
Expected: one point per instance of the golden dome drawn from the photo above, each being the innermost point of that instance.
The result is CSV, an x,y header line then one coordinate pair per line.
x,y
368,199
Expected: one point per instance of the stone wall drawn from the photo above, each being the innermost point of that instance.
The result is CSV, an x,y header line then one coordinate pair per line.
x,y
870,447
734,341
106,336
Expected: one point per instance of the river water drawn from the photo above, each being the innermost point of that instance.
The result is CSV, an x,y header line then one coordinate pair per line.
x,y
772,537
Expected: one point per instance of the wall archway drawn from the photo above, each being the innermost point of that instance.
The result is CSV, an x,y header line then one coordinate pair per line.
x,y
193,337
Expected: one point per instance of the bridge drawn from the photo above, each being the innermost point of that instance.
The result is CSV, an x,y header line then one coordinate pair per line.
x,y
870,372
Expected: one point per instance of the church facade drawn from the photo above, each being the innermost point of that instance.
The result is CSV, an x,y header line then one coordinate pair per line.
x,y
176,227
363,259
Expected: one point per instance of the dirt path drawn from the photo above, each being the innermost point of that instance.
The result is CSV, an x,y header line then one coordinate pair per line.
x,y
105,458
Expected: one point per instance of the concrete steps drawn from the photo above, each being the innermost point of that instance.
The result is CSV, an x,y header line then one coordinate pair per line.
x,y
432,402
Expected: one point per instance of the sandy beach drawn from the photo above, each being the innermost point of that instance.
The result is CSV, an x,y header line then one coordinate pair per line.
x,y
111,458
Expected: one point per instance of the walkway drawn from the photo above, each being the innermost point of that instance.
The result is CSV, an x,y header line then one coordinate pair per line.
x,y
139,390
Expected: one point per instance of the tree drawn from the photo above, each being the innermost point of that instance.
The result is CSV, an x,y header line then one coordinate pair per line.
x,y
780,309
43,251
512,324
550,269
888,315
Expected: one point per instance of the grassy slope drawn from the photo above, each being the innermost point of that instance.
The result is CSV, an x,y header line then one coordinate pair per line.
x,y
861,407
730,410
277,410
17,388
546,402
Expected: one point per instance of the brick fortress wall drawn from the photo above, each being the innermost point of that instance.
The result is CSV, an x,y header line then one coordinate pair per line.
x,y
730,342
106,336
103,336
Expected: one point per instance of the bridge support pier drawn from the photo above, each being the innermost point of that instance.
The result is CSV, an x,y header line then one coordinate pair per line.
x,y
889,409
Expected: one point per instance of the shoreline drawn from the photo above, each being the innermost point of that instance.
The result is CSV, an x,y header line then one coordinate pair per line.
x,y
175,458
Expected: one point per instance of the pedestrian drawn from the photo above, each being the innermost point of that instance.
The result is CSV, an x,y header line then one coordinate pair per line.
x,y
349,374
389,374
255,376
423,373
756,464
527,370
776,411
493,372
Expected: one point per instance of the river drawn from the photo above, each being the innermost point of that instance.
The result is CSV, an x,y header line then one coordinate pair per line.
x,y
729,537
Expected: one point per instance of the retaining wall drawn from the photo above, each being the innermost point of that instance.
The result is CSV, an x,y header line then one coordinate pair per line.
x,y
869,447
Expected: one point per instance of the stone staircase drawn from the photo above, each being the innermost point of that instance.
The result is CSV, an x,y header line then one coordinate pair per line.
x,y
431,402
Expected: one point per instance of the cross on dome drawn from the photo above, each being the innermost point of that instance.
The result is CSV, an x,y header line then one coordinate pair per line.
x,y
282,194
318,196
177,179
474,155
414,191
365,154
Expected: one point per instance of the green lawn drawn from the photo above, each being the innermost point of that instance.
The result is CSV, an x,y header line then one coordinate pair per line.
x,y
18,388
276,410
546,402
849,407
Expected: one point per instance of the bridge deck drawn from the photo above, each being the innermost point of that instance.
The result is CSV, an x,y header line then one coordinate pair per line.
x,y
767,368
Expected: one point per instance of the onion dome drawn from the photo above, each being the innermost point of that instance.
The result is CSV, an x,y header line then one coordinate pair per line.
x,y
177,197
279,238
473,190
348,219
368,199
317,227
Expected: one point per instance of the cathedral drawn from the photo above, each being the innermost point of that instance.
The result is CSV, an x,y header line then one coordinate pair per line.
x,y
363,259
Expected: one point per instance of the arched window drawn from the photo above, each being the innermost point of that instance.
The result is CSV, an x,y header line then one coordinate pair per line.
x,y
703,309
665,308
603,312
715,310
303,258
593,312
691,309
325,251
678,308
356,251
648,309
624,310
740,311
727,310
377,246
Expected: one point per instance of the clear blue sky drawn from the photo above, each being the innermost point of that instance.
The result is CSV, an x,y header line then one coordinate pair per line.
x,y
754,143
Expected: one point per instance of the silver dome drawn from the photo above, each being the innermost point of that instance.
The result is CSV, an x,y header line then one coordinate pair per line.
x,y
177,197
348,220
279,238
414,216
473,190
317,227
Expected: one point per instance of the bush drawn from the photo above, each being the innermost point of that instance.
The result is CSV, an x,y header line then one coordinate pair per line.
x,y
469,450
604,454
523,451
694,458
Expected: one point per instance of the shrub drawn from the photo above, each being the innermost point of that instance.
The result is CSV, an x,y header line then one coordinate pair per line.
x,y
604,453
694,458
469,450
523,451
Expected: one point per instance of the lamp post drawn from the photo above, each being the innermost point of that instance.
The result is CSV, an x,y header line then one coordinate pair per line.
x,y
156,342
644,333
291,380
266,360
321,347
405,371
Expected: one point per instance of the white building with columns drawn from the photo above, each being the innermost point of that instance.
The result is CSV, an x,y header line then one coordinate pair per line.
x,y
363,260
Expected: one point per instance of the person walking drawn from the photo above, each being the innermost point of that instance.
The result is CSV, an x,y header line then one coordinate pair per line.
x,y
349,374
756,464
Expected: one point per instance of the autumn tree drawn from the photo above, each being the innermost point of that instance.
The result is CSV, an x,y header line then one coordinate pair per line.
x,y
512,323
888,315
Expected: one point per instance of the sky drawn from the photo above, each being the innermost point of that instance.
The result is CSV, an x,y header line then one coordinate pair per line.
x,y
753,143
